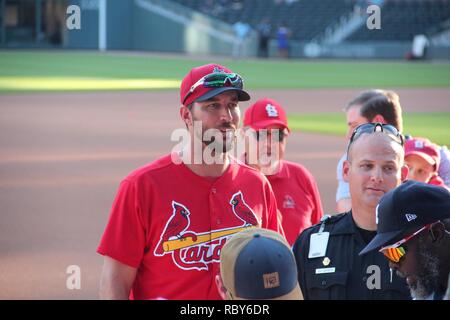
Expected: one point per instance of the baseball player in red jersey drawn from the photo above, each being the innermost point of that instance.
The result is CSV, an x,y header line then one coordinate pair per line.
x,y
171,218
295,188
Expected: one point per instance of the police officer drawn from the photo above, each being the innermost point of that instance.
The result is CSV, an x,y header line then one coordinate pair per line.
x,y
327,254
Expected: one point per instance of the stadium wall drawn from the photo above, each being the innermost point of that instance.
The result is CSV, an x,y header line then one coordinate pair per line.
x,y
152,25
87,36
166,26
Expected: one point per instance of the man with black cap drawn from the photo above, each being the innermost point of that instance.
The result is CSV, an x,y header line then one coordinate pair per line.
x,y
171,218
329,266
413,233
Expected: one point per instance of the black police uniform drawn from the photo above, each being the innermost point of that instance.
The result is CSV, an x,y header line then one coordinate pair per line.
x,y
352,273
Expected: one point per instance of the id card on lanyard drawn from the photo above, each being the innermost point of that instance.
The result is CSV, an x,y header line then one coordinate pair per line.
x,y
319,241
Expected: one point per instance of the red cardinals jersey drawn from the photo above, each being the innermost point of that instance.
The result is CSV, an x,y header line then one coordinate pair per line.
x,y
171,224
297,197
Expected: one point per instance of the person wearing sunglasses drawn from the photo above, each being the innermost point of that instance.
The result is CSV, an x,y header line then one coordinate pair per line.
x,y
414,236
377,106
327,257
171,218
296,191
369,106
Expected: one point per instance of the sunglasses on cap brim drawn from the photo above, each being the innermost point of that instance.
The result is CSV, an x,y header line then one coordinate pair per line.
x,y
217,80
397,250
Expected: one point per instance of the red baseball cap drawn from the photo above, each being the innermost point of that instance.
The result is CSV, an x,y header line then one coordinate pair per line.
x,y
190,93
265,113
425,149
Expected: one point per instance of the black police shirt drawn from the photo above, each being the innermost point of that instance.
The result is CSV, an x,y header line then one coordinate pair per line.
x,y
342,273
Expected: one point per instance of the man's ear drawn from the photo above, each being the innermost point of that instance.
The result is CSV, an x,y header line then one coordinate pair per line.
x,y
437,231
345,170
186,115
379,118
404,173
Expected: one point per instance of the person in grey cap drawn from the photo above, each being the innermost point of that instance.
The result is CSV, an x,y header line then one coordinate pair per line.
x,y
413,233
258,264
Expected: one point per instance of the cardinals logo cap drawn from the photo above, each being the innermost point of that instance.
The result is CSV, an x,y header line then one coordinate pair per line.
x,y
265,113
425,149
196,87
406,209
258,264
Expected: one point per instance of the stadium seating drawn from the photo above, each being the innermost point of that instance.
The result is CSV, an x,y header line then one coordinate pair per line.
x,y
307,19
402,19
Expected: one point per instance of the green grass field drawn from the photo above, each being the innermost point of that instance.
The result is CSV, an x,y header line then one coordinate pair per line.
x,y
31,71
433,125
66,71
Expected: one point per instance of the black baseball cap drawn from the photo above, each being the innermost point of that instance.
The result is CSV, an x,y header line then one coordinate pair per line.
x,y
406,208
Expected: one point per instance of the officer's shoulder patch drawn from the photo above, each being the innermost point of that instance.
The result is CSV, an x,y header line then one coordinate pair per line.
x,y
336,217
331,218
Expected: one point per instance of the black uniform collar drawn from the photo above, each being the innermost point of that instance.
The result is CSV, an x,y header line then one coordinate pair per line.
x,y
346,225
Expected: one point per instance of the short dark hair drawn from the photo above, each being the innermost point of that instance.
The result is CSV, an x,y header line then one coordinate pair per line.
x,y
386,105
364,97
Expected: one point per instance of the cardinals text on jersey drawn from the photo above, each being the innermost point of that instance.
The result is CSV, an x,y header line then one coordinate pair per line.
x,y
195,250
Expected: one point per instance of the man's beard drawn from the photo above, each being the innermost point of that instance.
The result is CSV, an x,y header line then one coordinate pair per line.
x,y
227,139
427,278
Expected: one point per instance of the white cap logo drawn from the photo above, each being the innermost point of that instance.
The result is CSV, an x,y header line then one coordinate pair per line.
x,y
271,111
218,70
410,217
418,144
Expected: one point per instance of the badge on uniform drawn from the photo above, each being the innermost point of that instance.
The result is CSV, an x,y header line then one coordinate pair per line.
x,y
318,244
325,270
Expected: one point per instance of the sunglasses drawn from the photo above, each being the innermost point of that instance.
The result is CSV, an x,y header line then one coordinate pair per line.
x,y
264,134
390,130
397,250
217,80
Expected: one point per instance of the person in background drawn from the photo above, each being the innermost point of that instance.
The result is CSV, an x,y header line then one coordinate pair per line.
x,y
283,34
295,188
264,31
423,158
377,106
369,106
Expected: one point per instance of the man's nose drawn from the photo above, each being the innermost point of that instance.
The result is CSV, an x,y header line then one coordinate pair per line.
x,y
412,174
225,114
377,174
